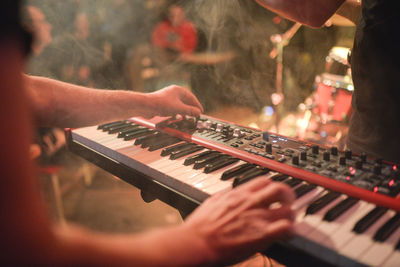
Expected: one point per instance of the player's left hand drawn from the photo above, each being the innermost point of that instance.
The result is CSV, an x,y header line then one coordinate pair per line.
x,y
173,100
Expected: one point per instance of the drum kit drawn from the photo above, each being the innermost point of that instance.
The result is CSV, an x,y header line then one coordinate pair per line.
x,y
326,113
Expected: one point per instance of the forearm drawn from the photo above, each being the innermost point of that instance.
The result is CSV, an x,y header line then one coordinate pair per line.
x,y
60,104
313,13
174,246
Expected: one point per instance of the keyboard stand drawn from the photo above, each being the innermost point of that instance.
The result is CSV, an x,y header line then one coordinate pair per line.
x,y
184,204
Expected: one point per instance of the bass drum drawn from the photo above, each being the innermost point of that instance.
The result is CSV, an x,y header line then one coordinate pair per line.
x,y
334,88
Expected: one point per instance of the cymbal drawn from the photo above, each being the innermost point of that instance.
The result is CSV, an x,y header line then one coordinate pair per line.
x,y
338,20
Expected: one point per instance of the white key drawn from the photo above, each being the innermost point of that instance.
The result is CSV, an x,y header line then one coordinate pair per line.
x,y
307,198
342,232
393,260
358,245
306,224
380,251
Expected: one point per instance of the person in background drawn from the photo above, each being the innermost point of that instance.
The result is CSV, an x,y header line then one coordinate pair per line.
x,y
374,126
175,33
225,229
49,141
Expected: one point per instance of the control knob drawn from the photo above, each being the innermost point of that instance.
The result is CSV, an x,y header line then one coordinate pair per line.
x,y
237,133
219,127
315,149
268,148
327,156
334,150
348,154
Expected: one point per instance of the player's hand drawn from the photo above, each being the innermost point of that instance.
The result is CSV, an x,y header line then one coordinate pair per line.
x,y
173,100
246,220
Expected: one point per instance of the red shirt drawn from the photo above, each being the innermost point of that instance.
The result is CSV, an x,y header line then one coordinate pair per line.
x,y
182,38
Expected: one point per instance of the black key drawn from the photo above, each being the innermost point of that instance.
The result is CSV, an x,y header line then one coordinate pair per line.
x,y
322,202
292,182
100,127
280,177
365,222
154,140
340,208
397,247
192,159
115,129
303,189
198,164
105,128
219,164
388,228
183,152
167,142
137,134
236,171
167,151
249,175
142,139
129,129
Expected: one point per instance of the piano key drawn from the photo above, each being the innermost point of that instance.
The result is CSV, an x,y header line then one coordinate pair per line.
x,y
379,252
324,230
209,159
306,223
220,164
292,182
280,177
140,140
107,128
393,260
237,170
249,175
303,189
184,151
110,124
168,164
131,128
388,228
356,246
164,143
115,129
192,159
301,202
205,180
339,209
167,151
321,202
397,245
226,185
362,225
138,133
339,232
153,140
176,169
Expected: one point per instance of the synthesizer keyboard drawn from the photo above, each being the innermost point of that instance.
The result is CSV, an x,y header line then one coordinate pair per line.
x,y
348,205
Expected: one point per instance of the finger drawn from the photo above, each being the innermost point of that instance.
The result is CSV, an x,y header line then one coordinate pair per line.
x,y
271,215
279,230
190,99
188,110
254,185
274,192
271,232
283,212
